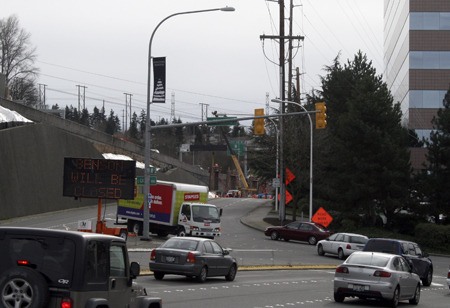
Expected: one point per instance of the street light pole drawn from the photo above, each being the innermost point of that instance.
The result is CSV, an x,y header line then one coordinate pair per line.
x,y
277,171
310,155
147,149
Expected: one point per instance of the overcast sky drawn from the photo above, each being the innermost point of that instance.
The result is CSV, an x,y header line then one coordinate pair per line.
x,y
215,59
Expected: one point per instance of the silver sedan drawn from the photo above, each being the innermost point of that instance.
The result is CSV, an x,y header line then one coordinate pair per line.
x,y
376,275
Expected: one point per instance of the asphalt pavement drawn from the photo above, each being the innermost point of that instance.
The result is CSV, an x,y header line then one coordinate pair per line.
x,y
254,219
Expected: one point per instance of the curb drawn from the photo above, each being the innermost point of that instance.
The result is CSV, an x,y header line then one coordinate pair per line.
x,y
270,268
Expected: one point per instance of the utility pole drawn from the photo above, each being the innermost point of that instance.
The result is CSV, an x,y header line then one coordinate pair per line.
x,y
281,38
127,99
291,17
204,117
172,107
84,97
204,110
42,95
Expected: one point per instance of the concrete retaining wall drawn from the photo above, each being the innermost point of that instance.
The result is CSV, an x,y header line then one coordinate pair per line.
x,y
31,169
32,161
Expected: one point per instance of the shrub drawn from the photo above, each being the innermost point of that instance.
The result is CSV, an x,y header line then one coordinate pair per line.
x,y
434,237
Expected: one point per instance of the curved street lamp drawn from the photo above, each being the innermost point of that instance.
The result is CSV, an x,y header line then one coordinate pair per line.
x,y
147,149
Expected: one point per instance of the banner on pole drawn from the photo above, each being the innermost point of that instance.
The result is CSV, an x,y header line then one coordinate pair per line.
x,y
159,82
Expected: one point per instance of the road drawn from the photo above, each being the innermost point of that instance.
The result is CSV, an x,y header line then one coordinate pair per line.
x,y
290,288
267,289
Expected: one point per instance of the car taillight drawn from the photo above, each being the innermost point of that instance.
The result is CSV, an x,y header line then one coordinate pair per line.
x,y
448,275
66,303
342,270
23,262
190,258
382,274
153,255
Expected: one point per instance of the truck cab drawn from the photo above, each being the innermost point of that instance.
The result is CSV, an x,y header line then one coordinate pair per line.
x,y
199,219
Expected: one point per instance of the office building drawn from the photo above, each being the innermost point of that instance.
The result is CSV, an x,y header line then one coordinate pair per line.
x,y
417,61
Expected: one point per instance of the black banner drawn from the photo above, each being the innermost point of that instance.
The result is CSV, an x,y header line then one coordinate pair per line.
x,y
159,82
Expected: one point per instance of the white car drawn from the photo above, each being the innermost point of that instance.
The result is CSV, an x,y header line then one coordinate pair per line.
x,y
342,244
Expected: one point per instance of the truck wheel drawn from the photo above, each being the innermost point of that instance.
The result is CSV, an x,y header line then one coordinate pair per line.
x,y
135,227
23,287
123,234
181,232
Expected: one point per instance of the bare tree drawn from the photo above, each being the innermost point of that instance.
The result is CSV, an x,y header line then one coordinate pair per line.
x,y
17,58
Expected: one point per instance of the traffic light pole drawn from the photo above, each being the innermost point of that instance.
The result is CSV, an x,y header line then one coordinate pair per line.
x,y
310,155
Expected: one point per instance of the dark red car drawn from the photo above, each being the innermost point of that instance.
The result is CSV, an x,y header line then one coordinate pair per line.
x,y
299,231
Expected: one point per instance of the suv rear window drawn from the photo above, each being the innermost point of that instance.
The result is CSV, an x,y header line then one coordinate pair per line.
x,y
382,246
53,257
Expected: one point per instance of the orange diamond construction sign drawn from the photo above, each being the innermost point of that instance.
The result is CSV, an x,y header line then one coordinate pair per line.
x,y
322,217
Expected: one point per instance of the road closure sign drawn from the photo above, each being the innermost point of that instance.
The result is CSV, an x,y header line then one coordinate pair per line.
x,y
99,178
322,217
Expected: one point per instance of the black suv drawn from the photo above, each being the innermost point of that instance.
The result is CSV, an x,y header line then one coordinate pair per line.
x,y
56,268
422,265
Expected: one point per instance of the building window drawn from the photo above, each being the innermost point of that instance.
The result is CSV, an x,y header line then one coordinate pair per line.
x,y
429,60
423,133
429,21
426,98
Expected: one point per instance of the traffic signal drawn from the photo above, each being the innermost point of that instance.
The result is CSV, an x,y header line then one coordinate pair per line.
x,y
321,116
258,124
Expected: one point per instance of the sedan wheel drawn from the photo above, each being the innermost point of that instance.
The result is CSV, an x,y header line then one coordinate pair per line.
x,y
395,298
312,240
320,251
341,254
274,235
416,298
203,274
339,298
232,273
427,281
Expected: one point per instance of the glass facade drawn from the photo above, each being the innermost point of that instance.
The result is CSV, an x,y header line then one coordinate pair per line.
x,y
426,98
429,60
415,75
430,21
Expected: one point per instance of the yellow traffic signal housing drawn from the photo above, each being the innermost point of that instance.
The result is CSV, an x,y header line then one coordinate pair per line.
x,y
321,116
258,124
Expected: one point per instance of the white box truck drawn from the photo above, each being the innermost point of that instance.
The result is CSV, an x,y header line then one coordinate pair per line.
x,y
175,208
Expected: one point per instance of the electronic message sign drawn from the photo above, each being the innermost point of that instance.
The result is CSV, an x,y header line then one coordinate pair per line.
x,y
99,178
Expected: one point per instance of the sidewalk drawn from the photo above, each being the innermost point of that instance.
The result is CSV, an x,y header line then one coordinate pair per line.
x,y
255,219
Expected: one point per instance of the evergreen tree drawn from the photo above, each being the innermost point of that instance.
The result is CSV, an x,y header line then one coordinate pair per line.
x,y
133,130
364,159
435,179
142,122
112,123
85,118
98,119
